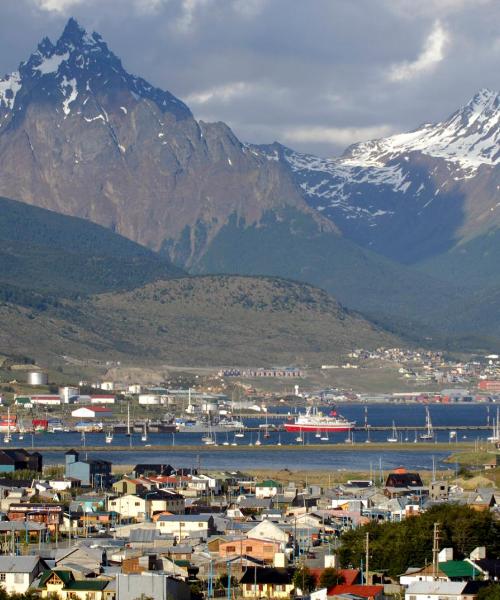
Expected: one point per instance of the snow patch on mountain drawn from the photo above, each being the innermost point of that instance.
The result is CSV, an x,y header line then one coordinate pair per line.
x,y
51,64
9,86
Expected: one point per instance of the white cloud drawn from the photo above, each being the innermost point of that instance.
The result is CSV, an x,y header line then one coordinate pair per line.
x,y
336,135
221,93
431,55
56,5
410,9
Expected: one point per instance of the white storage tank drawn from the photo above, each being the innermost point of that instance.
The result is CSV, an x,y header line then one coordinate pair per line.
x,y
37,378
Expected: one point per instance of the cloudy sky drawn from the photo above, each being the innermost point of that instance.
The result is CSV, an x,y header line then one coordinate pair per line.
x,y
316,75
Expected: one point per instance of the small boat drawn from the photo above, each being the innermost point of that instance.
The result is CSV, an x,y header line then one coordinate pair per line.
x,y
257,441
324,437
144,436
240,434
317,435
393,438
279,440
429,434
109,437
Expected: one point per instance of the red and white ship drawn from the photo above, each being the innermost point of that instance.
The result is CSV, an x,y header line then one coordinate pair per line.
x,y
315,420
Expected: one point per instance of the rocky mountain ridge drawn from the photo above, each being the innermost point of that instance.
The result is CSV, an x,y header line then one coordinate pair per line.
x,y
81,136
411,195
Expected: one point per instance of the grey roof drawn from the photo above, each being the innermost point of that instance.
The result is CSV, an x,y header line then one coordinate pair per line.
x,y
18,564
432,588
184,518
144,535
21,526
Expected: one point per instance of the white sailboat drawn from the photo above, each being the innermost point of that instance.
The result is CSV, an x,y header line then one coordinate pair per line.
x,y
8,438
495,434
257,441
144,436
393,438
128,419
429,433
109,437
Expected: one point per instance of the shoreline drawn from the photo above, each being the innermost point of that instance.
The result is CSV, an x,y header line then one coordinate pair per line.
x,y
361,447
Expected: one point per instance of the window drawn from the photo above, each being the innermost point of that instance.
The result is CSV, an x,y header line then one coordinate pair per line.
x,y
137,504
200,525
231,549
248,548
3,576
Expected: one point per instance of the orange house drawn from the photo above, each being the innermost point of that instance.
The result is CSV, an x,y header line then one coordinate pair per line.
x,y
260,549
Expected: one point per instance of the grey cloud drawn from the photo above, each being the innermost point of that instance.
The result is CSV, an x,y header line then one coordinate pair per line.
x,y
285,69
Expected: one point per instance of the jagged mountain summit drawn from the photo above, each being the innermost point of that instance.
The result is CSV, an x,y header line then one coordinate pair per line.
x,y
78,64
81,136
412,195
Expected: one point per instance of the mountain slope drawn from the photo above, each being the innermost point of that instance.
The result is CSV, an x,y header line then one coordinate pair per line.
x,y
47,253
83,137
210,320
414,195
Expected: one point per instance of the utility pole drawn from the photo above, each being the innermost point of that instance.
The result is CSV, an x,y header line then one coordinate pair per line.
x,y
435,552
367,559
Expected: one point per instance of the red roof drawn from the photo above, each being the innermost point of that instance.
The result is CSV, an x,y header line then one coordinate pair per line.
x,y
349,575
367,591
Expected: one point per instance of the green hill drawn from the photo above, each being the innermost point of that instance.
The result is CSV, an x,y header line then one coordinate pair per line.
x,y
42,251
212,320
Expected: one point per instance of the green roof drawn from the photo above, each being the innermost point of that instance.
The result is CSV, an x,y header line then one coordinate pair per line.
x,y
70,583
23,400
458,568
268,483
64,576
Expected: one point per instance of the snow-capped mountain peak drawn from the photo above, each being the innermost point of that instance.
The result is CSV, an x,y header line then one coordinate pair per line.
x,y
468,139
78,65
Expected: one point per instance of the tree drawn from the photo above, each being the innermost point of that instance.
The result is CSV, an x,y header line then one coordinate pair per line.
x,y
330,577
304,579
490,592
397,546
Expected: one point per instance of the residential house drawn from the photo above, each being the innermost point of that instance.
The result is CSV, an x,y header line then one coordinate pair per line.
x,y
267,582
268,530
267,489
12,459
95,473
17,573
263,550
185,526
62,584
444,590
48,514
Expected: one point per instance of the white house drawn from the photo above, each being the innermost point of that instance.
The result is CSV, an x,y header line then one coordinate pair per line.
x,y
268,530
131,506
266,489
17,573
440,590
185,526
